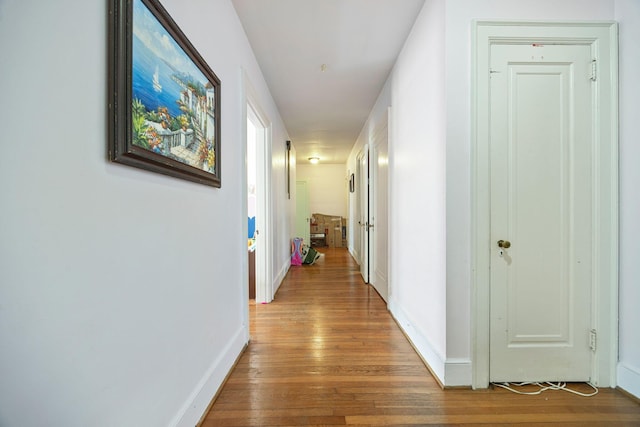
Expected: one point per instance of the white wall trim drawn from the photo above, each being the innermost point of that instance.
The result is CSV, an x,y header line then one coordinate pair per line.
x,y
457,372
200,398
281,275
603,37
431,357
629,379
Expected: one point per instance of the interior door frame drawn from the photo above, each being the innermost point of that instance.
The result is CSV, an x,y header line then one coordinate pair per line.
x,y
264,248
375,258
602,36
363,189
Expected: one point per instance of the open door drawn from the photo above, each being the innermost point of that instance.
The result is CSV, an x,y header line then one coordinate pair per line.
x,y
362,189
303,214
252,205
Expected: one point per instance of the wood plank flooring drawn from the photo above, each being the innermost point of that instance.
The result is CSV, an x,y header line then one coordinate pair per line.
x,y
326,352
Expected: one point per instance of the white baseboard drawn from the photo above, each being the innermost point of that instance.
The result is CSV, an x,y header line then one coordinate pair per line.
x,y
423,346
206,389
449,372
457,372
281,275
629,380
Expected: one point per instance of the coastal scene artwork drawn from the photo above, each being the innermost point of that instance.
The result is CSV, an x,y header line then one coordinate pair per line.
x,y
173,120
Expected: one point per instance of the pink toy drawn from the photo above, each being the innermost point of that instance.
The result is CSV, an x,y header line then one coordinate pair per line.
x,y
296,251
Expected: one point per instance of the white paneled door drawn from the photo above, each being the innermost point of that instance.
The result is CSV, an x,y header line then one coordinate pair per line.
x,y
541,154
378,224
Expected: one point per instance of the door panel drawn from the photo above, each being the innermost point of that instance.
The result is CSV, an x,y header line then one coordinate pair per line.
x,y
379,220
541,178
363,221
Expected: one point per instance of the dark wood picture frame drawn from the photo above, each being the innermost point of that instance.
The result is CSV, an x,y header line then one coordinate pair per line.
x,y
164,117
288,169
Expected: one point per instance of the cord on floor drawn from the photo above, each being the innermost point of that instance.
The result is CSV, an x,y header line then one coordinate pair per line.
x,y
544,387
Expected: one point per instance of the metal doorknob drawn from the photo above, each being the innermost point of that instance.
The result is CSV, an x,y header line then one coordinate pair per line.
x,y
504,244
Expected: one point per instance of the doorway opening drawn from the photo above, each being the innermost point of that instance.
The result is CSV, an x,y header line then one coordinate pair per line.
x,y
371,208
258,184
303,213
258,154
252,205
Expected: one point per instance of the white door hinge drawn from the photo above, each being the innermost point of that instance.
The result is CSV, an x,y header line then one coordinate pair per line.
x,y
592,340
594,70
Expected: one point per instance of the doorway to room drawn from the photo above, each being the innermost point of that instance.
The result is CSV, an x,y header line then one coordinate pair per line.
x,y
371,236
252,205
303,214
258,155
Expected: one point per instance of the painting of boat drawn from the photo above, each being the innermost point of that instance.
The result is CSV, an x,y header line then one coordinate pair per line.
x,y
175,118
165,99
156,80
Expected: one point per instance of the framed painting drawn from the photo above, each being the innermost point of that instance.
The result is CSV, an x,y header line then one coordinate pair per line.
x,y
164,99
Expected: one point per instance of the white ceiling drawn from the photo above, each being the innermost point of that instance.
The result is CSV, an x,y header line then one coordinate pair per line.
x,y
357,40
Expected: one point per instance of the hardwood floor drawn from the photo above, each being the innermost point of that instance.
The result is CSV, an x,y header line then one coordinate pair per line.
x,y
327,352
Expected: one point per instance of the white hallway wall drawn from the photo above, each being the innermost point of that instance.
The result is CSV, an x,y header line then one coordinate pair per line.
x,y
415,92
459,17
122,301
418,188
430,95
328,187
628,16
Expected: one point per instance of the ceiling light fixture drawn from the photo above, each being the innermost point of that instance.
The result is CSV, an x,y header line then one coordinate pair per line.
x,y
314,160
323,67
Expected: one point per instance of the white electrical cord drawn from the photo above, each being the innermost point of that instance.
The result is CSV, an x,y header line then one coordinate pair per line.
x,y
544,387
